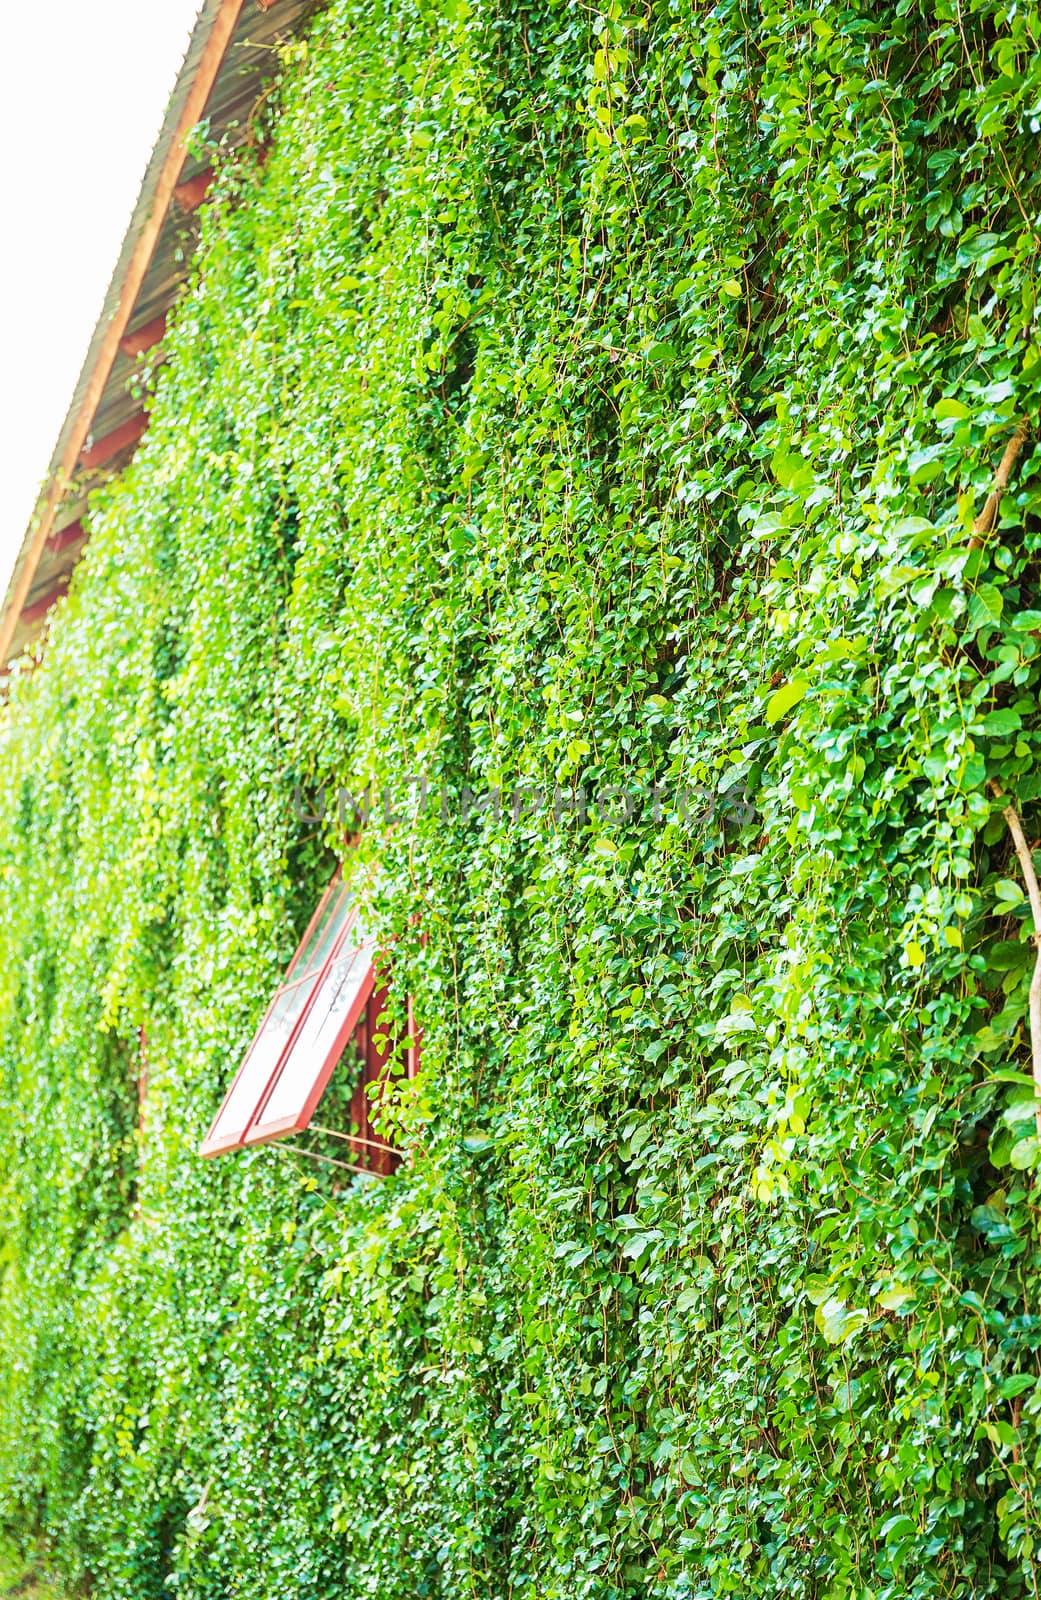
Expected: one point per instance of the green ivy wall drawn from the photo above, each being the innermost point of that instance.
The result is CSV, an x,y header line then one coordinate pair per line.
x,y
573,437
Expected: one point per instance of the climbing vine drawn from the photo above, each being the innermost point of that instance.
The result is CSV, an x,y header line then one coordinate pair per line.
x,y
598,452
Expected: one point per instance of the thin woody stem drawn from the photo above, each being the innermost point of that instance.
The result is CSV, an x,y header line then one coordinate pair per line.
x,y
326,1161
1026,862
989,513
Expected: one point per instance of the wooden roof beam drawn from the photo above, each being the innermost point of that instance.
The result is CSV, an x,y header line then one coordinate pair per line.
x,y
63,539
31,614
102,451
144,338
191,194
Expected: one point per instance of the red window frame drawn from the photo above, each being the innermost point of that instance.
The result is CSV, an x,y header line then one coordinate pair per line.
x,y
319,1038
329,995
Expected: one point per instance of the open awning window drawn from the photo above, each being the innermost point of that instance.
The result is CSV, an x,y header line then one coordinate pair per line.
x,y
328,997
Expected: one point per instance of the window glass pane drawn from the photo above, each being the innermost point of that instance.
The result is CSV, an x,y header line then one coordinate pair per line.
x,y
336,996
322,1010
259,1064
320,937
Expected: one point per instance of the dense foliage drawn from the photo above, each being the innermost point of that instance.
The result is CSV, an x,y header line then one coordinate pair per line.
x,y
570,449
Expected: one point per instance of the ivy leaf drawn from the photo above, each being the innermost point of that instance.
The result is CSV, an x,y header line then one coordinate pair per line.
x,y
1024,1154
785,698
1017,1384
792,471
895,578
985,606
638,1243
838,1322
1009,895
1001,722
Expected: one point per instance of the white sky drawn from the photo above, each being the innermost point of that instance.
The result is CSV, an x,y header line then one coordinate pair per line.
x,y
83,89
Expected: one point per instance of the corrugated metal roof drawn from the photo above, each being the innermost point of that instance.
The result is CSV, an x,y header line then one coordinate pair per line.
x,y
229,60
